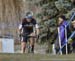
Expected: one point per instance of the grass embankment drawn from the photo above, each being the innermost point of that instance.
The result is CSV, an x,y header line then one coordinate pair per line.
x,y
36,57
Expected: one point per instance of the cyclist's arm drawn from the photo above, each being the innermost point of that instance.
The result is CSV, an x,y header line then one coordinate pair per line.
x,y
20,29
37,29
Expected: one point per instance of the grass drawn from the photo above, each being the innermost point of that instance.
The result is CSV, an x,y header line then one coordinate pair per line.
x,y
36,57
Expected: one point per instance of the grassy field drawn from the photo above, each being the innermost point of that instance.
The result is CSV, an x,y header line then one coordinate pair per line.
x,y
36,57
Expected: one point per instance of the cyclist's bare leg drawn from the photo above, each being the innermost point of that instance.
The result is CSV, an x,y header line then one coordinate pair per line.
x,y
32,44
23,47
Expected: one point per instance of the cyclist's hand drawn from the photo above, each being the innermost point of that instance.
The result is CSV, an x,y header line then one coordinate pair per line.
x,y
32,34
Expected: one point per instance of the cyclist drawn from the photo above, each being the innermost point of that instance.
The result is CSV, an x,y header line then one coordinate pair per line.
x,y
28,28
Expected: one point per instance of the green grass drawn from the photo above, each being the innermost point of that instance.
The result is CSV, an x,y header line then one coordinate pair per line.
x,y
36,57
